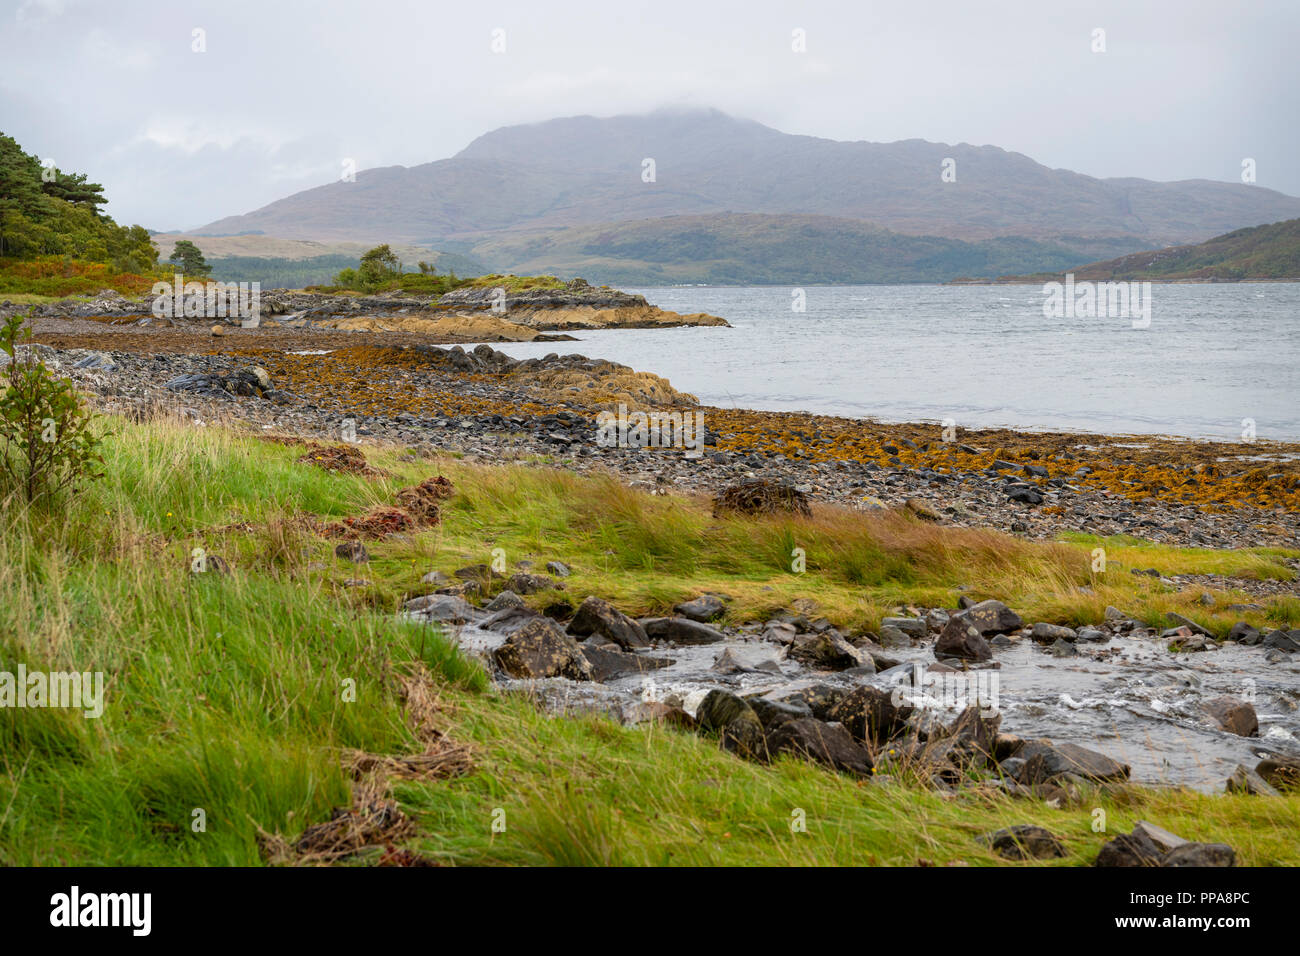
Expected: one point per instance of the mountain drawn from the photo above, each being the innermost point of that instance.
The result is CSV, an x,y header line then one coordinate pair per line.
x,y
585,171
1261,252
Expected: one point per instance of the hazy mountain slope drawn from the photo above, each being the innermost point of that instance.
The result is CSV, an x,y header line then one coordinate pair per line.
x,y
584,170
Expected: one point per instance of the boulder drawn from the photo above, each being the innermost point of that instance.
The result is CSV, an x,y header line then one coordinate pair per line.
x,y
913,627
521,582
1045,761
992,617
1234,715
1245,780
608,662
446,608
829,650
1024,842
706,607
1044,633
828,744
1281,772
870,714
596,616
680,630
959,638
773,713
540,649
734,722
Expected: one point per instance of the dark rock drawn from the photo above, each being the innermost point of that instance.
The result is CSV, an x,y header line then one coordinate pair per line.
x,y
540,649
829,650
1044,633
1243,633
704,608
504,600
821,699
508,619
870,714
447,608
1200,855
680,630
1234,715
733,721
992,617
1245,780
962,639
1063,648
1044,761
824,743
522,582
558,568
597,616
353,551
1281,772
772,713
608,662
1129,849
1024,842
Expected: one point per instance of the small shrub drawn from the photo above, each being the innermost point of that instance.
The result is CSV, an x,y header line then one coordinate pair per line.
x,y
46,442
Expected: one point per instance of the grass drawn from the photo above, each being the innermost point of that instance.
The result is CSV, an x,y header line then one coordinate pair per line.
x,y
238,695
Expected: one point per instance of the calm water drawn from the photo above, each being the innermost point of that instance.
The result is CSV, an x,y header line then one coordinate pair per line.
x,y
1212,356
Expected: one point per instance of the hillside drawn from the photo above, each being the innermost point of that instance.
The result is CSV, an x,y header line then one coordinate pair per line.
x,y
767,249
583,171
1262,252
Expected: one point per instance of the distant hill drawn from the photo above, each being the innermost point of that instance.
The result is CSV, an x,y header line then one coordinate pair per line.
x,y
584,171
1262,252
577,184
756,249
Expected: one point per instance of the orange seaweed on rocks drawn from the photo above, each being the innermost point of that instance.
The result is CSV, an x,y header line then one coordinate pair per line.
x,y
378,522
759,497
422,499
347,459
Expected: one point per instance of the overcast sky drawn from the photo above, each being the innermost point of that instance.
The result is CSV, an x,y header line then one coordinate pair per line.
x,y
287,89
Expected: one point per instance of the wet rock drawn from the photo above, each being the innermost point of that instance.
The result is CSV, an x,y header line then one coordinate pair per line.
x,y
1045,761
913,627
1091,635
1245,780
1024,842
733,721
353,551
824,743
608,662
1281,772
959,638
540,649
680,630
890,636
1280,640
1044,633
1234,715
1063,648
829,651
728,663
779,632
504,600
706,607
992,617
822,699
870,714
508,619
447,608
772,713
597,616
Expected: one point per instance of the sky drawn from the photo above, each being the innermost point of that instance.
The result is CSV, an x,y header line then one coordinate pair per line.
x,y
282,92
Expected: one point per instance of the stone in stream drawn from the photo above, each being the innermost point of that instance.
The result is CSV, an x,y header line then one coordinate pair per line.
x,y
779,632
894,637
705,608
608,662
1245,780
828,744
959,638
829,650
992,617
913,627
508,619
1091,635
870,714
446,608
1282,641
1044,633
680,630
540,649
1045,761
1234,715
1177,620
1243,633
728,663
1063,648
1024,842
597,616
733,721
